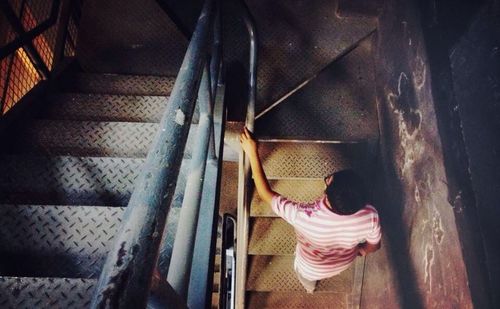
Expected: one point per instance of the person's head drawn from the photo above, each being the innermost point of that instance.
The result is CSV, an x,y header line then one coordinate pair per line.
x,y
346,192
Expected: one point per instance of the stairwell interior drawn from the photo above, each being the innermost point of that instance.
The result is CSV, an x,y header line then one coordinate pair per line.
x,y
70,161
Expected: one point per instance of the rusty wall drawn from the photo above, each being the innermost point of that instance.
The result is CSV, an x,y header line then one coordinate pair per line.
x,y
421,263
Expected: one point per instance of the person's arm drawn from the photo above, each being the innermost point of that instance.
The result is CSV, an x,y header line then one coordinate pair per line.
x,y
249,146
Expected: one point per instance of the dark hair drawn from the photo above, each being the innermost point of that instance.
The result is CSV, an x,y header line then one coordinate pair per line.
x,y
347,193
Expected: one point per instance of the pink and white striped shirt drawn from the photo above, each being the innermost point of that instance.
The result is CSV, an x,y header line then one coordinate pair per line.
x,y
326,241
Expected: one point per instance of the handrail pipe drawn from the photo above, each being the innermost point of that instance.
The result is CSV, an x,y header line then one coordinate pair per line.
x,y
126,277
182,253
243,212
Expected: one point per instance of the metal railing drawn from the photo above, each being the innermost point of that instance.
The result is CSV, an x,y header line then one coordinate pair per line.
x,y
244,166
126,278
34,36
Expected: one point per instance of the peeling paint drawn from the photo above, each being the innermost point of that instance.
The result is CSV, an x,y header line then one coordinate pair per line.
x,y
428,263
417,195
411,148
437,227
419,73
180,117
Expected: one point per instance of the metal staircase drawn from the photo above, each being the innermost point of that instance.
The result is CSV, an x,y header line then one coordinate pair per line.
x,y
328,125
64,183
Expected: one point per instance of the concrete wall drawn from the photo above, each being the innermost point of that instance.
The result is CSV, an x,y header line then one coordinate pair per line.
x,y
421,264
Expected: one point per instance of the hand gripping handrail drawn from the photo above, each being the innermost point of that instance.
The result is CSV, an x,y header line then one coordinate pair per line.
x,y
244,165
126,277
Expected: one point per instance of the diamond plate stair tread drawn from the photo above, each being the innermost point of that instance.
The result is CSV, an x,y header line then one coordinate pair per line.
x,y
132,36
50,293
271,236
275,273
63,180
339,104
122,84
310,160
309,36
56,241
89,138
295,189
295,300
102,107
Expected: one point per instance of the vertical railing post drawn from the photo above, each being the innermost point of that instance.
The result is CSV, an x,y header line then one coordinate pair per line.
x,y
182,252
244,166
215,67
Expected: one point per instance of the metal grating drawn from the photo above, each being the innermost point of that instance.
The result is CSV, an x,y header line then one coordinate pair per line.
x,y
45,293
129,37
71,39
271,236
63,180
56,241
339,104
309,160
96,107
123,84
294,189
276,273
34,13
22,77
86,138
294,300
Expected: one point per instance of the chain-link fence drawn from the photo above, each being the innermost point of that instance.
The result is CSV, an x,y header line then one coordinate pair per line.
x,y
29,34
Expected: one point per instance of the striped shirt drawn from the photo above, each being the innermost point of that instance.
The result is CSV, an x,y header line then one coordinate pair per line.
x,y
326,241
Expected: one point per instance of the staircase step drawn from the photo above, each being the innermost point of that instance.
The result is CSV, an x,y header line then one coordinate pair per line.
x,y
295,300
53,293
103,107
271,236
122,84
300,190
56,241
90,138
303,159
338,104
65,180
276,273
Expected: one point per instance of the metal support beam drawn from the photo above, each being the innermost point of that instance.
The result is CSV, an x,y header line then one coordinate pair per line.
x,y
127,274
62,31
182,254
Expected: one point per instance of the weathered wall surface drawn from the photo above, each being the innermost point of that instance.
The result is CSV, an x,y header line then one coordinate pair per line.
x,y
475,68
421,264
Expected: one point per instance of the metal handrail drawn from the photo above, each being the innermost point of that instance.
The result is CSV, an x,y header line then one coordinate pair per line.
x,y
244,166
182,253
126,277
